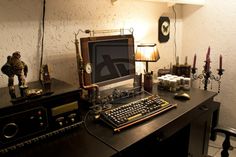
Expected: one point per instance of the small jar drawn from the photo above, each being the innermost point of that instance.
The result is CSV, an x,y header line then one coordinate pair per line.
x,y
173,85
187,83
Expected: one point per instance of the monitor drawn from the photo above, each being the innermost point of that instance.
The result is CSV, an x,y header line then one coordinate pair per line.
x,y
111,59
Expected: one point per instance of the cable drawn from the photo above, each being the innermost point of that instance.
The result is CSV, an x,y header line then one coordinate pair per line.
x,y
175,46
218,147
101,140
42,40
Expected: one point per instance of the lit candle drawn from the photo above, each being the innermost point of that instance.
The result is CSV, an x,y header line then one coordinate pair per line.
x,y
220,62
194,61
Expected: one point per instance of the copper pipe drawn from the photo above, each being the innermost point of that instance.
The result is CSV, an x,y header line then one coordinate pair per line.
x,y
80,67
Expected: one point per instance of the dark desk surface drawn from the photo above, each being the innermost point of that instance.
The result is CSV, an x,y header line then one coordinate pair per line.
x,y
80,143
57,88
76,143
165,124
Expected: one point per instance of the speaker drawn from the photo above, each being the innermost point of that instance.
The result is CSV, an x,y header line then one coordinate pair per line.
x,y
163,29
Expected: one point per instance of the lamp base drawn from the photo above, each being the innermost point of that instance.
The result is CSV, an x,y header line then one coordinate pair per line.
x,y
148,81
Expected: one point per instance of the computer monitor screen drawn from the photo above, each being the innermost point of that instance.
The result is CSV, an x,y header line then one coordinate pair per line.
x,y
111,59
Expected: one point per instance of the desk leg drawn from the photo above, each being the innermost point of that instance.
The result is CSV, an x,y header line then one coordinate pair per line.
x,y
215,120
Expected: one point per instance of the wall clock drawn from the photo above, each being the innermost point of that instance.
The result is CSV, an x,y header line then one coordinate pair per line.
x,y
164,29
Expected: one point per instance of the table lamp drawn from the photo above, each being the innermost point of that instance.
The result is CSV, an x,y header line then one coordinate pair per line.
x,y
147,53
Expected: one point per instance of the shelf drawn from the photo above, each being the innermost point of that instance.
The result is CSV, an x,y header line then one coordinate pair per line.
x,y
172,2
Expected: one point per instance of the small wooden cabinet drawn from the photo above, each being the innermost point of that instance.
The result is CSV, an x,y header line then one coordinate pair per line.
x,y
199,135
200,129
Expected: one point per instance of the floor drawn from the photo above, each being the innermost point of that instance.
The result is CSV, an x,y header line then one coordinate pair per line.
x,y
215,147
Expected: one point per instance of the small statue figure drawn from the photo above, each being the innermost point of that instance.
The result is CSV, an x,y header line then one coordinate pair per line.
x,y
14,66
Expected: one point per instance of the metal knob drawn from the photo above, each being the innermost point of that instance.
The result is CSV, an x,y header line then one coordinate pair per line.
x,y
10,130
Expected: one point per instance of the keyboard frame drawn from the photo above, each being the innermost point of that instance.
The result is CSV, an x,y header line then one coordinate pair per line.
x,y
167,106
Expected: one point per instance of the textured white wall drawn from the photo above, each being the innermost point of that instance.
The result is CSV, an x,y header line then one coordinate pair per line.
x,y
214,25
211,25
20,25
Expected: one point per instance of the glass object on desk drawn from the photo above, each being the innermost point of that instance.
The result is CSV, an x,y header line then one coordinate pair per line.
x,y
137,82
187,83
173,83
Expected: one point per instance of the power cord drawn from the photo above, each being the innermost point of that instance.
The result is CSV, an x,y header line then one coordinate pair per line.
x,y
175,46
213,146
42,39
220,147
101,140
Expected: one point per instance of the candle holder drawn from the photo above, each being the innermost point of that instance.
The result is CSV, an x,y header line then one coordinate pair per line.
x,y
206,76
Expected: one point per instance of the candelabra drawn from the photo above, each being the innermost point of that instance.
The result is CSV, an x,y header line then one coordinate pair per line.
x,y
206,76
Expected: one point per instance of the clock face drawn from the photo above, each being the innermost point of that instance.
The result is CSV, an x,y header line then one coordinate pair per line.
x,y
165,28
88,68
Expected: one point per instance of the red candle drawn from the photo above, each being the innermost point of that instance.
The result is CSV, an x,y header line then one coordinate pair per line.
x,y
208,64
220,62
194,61
208,53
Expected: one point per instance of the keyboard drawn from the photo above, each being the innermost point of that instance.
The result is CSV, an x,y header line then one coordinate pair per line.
x,y
136,111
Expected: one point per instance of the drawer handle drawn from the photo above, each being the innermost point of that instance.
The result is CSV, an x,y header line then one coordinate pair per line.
x,y
160,137
204,108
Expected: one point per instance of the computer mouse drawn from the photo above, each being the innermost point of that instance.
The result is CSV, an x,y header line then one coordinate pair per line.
x,y
182,96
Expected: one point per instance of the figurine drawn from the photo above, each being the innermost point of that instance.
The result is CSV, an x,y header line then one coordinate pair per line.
x,y
14,66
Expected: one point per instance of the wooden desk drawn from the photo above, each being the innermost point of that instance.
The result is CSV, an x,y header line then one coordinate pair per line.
x,y
183,131
190,121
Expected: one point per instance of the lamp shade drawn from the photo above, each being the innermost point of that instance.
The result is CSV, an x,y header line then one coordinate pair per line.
x,y
147,53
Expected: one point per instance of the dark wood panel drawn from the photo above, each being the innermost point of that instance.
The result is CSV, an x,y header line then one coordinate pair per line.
x,y
76,143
